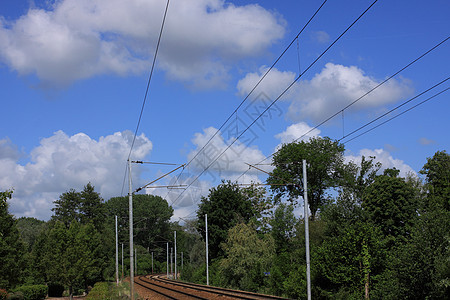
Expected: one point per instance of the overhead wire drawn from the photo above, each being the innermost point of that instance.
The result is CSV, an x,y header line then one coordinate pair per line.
x,y
359,98
251,91
281,95
146,90
395,108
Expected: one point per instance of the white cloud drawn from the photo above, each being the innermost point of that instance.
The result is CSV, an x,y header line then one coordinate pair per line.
x,y
295,131
273,84
335,87
385,158
425,141
321,36
327,92
77,39
234,160
62,162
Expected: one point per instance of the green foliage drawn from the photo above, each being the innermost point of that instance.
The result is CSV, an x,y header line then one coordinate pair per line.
x,y
12,249
390,203
226,206
3,294
247,258
106,291
151,216
283,227
29,230
437,176
85,207
32,292
324,159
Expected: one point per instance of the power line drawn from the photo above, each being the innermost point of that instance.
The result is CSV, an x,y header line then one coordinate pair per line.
x,y
395,108
147,88
260,80
251,91
361,97
273,102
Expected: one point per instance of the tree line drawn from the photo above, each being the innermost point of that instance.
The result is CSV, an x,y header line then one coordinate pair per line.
x,y
372,234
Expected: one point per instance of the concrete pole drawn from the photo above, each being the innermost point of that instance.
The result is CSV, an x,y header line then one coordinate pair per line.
x,y
122,261
117,254
175,239
135,261
152,263
308,263
130,206
207,263
181,260
167,261
171,261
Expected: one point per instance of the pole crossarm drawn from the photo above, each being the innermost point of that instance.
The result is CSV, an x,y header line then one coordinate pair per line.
x,y
143,187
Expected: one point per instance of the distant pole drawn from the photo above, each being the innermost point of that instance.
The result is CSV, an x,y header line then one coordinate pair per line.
x,y
308,263
122,261
207,264
130,206
167,260
135,261
175,238
152,263
181,260
171,262
117,254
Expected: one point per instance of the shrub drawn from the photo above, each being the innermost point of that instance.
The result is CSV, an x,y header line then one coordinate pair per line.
x,y
3,294
33,292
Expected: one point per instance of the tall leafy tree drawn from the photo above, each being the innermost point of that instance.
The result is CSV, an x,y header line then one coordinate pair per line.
x,y
391,203
437,177
11,246
226,206
325,167
151,218
247,258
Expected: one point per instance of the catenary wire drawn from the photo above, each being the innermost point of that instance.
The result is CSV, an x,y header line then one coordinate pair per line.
x,y
281,95
395,108
358,99
147,89
251,91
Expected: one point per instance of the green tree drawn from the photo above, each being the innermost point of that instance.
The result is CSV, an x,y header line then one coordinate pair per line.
x,y
247,258
11,246
72,256
226,206
151,218
30,229
283,227
437,177
324,158
391,203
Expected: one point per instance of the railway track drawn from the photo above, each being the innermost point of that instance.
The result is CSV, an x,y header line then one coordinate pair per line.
x,y
170,289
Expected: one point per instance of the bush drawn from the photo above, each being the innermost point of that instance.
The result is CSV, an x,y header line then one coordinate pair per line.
x,y
15,296
3,294
33,292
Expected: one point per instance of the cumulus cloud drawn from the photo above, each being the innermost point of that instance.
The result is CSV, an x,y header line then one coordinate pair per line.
x,y
336,86
327,92
273,85
300,131
385,158
62,162
231,162
77,39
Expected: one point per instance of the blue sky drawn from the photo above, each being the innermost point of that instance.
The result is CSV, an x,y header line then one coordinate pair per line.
x,y
73,75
